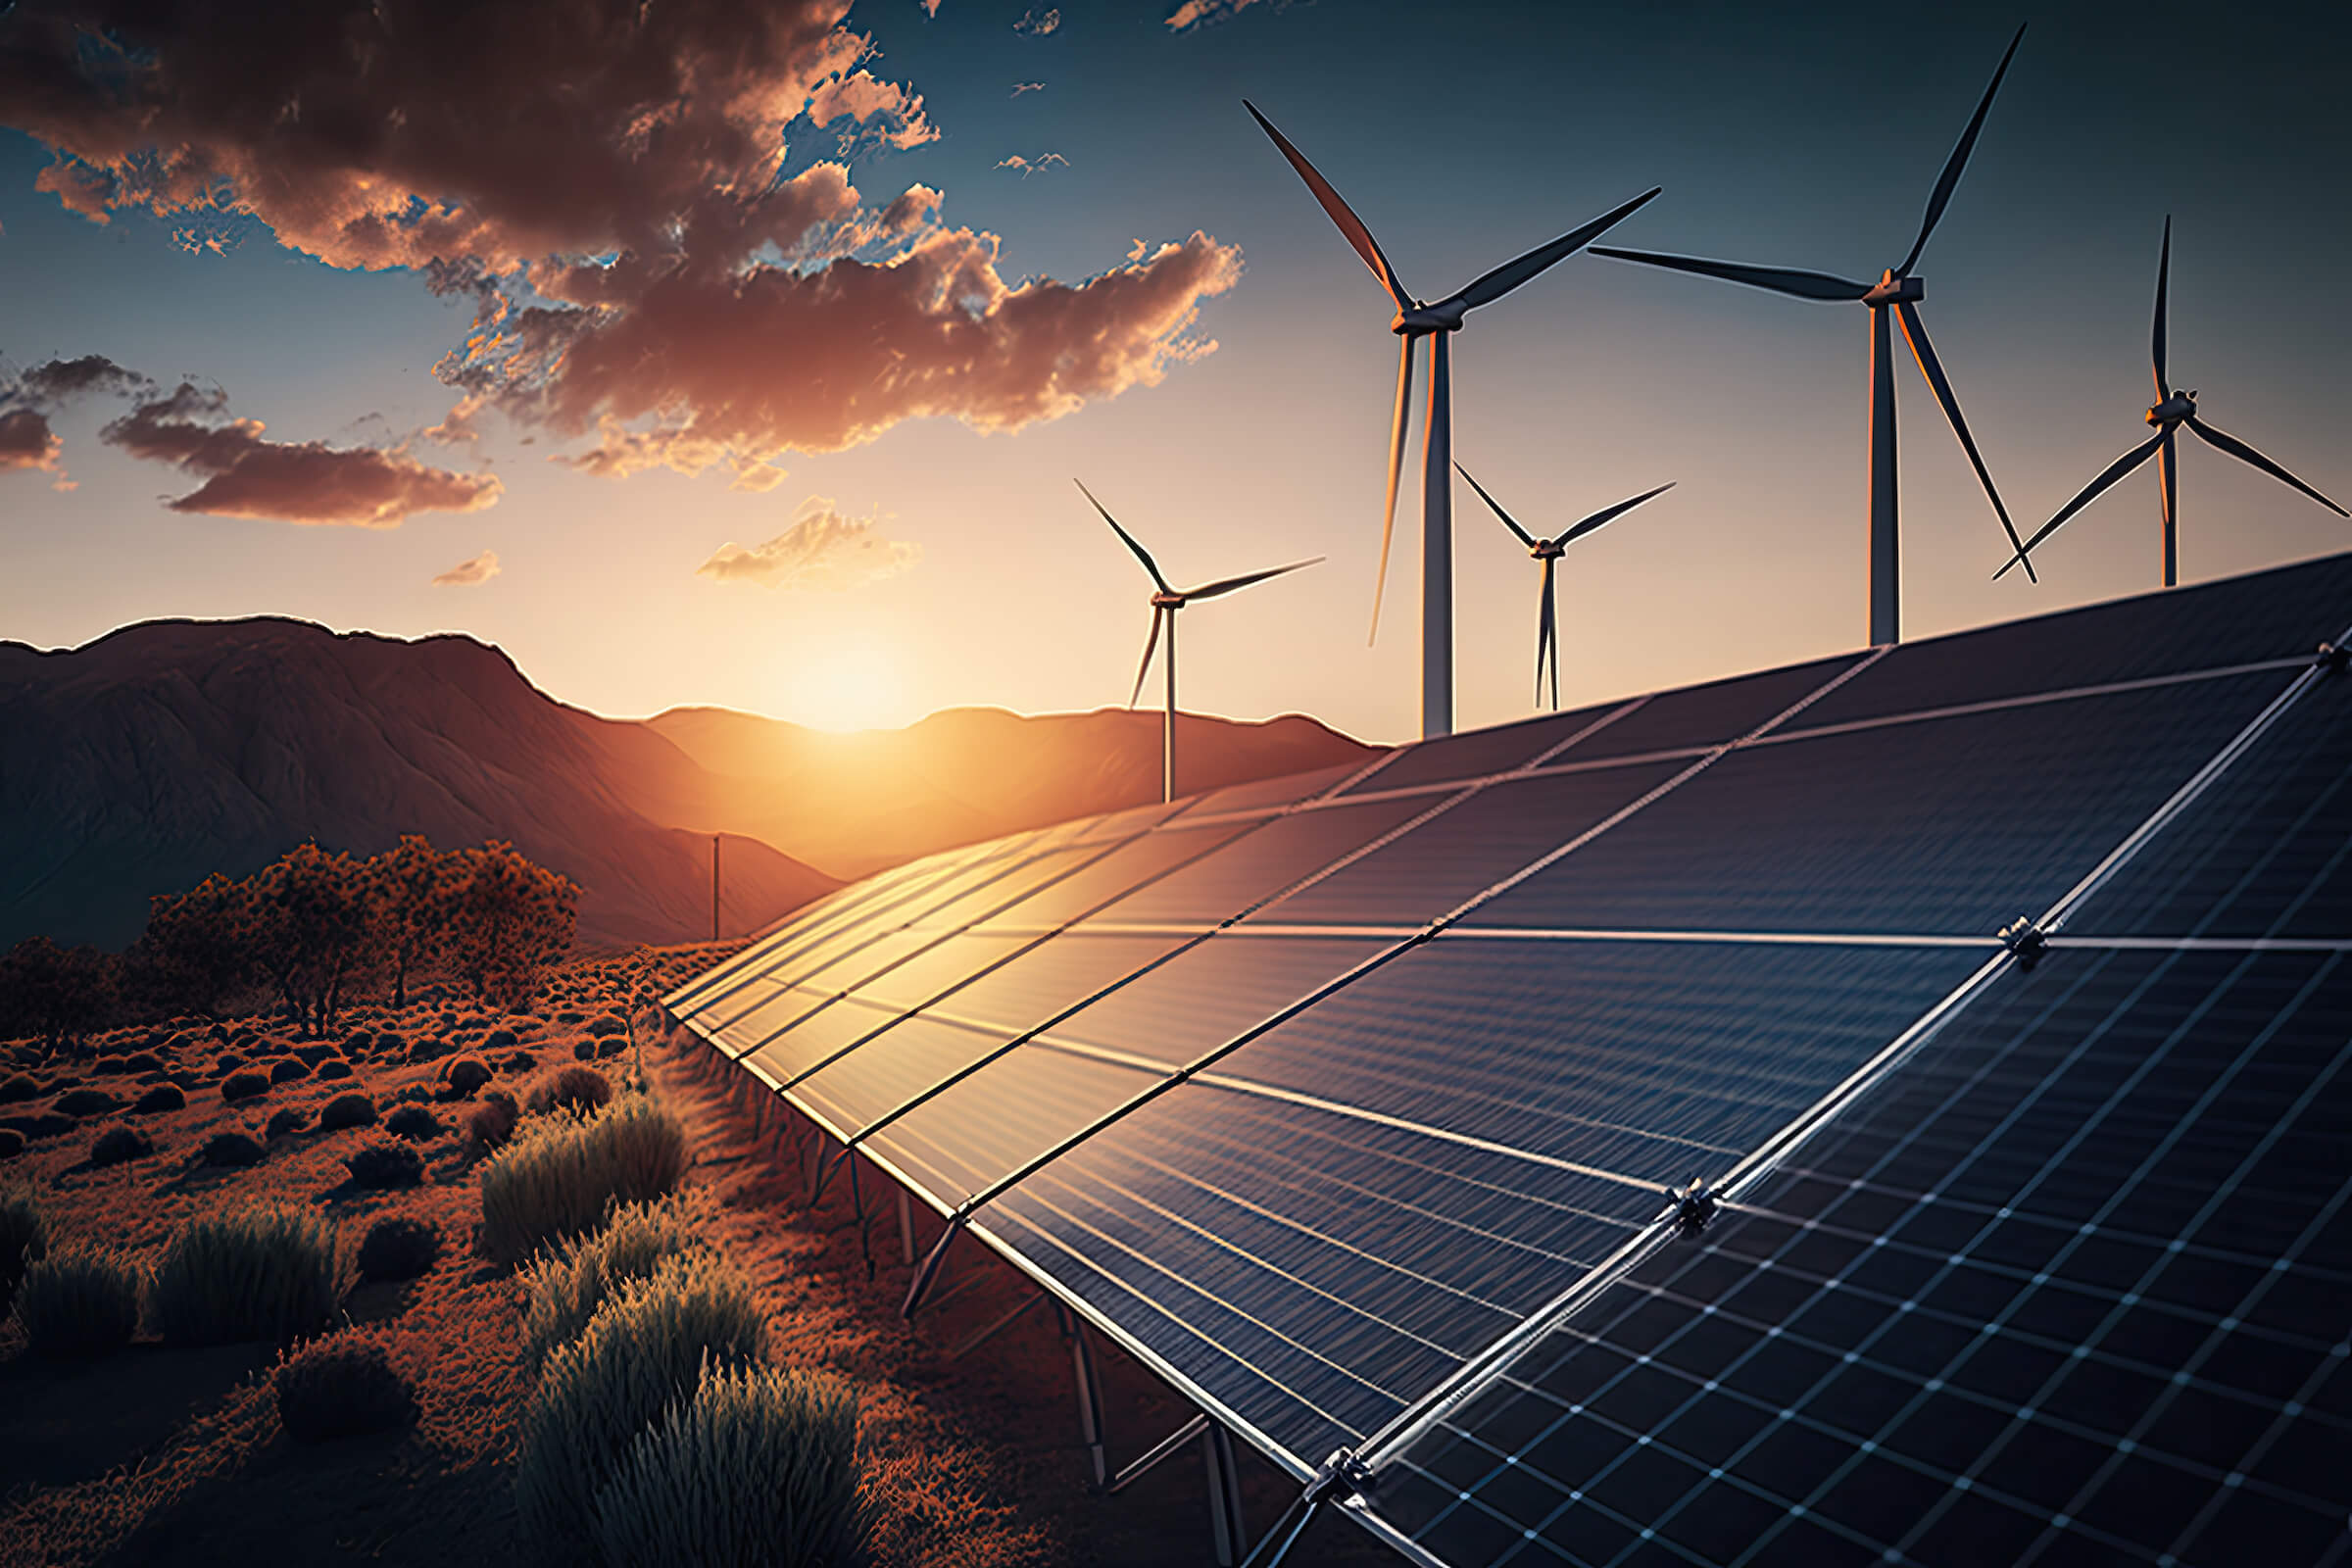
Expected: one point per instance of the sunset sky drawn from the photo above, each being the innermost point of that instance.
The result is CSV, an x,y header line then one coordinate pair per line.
x,y
792,324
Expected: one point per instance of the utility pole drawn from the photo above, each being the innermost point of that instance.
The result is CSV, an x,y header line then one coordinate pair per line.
x,y
714,887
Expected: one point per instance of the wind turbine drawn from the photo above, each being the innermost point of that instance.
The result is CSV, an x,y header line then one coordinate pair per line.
x,y
1165,603
1898,290
2173,409
1549,552
1415,320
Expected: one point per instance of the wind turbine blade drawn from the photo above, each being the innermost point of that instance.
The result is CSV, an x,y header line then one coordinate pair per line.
x,y
2164,278
1922,349
1140,554
1779,280
2221,440
2090,492
1611,514
1525,538
1229,584
1510,275
1341,213
1388,514
1150,645
1949,179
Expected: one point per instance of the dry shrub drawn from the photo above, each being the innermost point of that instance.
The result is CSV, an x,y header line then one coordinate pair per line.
x,y
464,1075
265,1273
18,1088
79,1301
331,1068
641,1353
81,1103
119,1146
340,1387
244,1086
494,1120
383,1165
232,1150
398,1249
763,1466
23,1237
415,1123
346,1110
284,1123
558,1177
579,1090
12,1143
162,1097
564,1288
287,1069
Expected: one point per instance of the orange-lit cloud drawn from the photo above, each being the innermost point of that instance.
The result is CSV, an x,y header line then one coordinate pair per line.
x,y
304,482
469,574
1037,21
27,399
1204,13
27,443
823,549
1031,166
1020,87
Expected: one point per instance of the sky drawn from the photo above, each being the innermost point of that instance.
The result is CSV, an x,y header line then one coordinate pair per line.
x,y
708,353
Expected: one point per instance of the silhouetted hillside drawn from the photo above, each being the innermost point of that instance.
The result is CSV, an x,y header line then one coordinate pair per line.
x,y
153,757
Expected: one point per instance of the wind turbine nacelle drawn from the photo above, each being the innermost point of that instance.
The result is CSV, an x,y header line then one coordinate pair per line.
x,y
1423,319
1167,601
2173,409
1892,291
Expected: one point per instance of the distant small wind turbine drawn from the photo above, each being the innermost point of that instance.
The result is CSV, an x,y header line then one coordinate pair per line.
x,y
1415,320
1900,290
2173,409
1165,603
1549,552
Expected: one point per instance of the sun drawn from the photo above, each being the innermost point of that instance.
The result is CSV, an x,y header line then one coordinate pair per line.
x,y
858,683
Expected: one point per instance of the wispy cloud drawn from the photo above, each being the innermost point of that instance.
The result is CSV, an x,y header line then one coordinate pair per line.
x,y
1020,87
304,482
1032,166
1036,23
1206,13
469,574
823,549
27,442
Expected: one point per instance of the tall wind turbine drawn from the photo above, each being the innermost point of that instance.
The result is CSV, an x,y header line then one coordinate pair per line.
x,y
1165,603
1415,320
1549,552
1897,290
2173,409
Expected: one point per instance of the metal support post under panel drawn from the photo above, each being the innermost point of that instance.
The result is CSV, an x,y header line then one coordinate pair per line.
x,y
1227,1524
1090,1406
906,1229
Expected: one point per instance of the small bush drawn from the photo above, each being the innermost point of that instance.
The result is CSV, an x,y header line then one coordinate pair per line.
x,y
287,1069
555,1180
39,1125
79,1301
244,1086
120,1144
12,1143
643,1353
284,1122
609,1025
383,1165
228,1065
465,1075
143,1062
347,1111
494,1120
415,1123
23,1237
108,1066
499,1038
398,1248
343,1386
564,1288
762,1466
18,1088
83,1103
162,1097
235,1150
313,1056
266,1273
332,1068
579,1090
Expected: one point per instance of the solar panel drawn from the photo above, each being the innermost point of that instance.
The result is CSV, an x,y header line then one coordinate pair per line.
x,y
1349,1112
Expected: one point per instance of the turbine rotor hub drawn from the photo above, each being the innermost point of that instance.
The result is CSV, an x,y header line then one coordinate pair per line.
x,y
1892,291
1549,550
2173,409
1426,320
1167,601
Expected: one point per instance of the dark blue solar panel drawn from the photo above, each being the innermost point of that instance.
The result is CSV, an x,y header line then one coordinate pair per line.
x,y
2282,613
2072,1287
1953,825
1699,717
1261,794
1261,863
1481,751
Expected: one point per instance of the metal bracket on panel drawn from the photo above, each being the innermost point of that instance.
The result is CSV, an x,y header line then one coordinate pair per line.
x,y
1171,1443
1090,1401
2025,942
1228,1522
1694,1206
1343,1476
929,1271
2332,657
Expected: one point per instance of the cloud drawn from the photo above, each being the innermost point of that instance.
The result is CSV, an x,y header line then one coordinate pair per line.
x,y
930,7
469,574
304,482
1206,13
1029,167
27,443
1020,87
610,185
1036,23
461,425
823,549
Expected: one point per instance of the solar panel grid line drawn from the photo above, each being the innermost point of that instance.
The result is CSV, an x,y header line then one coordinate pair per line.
x,y
1466,1383
1527,768
2082,1131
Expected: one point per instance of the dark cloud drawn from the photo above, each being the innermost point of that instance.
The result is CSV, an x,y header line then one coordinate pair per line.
x,y
605,179
57,382
27,443
304,482
823,549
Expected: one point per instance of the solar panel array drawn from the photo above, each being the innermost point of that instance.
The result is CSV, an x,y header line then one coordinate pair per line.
x,y
1346,1101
